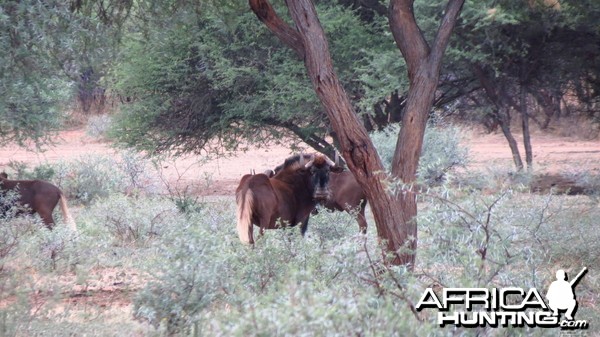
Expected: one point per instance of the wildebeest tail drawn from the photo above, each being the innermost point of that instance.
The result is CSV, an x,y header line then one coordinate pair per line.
x,y
245,203
67,218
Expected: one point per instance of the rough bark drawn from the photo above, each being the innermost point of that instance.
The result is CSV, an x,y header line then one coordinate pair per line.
x,y
265,13
393,215
356,146
504,121
424,66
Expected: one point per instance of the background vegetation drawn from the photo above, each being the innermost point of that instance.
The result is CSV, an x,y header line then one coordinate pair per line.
x,y
207,77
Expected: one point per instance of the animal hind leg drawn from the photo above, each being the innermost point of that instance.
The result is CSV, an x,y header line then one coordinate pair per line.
x,y
47,218
263,224
304,226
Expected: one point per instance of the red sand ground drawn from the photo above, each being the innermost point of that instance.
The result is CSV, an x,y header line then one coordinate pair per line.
x,y
220,177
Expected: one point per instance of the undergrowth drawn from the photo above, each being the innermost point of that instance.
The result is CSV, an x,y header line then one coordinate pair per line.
x,y
198,279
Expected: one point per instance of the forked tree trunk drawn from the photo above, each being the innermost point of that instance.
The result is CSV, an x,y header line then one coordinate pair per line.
x,y
424,64
394,216
504,121
356,146
499,98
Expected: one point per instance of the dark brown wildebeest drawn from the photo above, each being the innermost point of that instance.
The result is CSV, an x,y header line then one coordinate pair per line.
x,y
39,197
346,195
290,195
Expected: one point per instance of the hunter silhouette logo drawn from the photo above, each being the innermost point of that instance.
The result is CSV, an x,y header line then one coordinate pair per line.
x,y
507,307
561,294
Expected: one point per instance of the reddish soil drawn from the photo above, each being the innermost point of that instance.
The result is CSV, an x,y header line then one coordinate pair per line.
x,y
220,177
550,153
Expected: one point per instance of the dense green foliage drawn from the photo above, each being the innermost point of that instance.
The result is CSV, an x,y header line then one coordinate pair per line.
x,y
48,54
219,73
209,76
31,88
551,51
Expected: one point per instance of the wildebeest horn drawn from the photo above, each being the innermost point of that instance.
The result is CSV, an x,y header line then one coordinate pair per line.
x,y
329,161
301,158
311,162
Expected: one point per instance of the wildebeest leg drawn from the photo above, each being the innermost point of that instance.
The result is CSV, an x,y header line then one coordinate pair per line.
x,y
304,226
46,216
264,222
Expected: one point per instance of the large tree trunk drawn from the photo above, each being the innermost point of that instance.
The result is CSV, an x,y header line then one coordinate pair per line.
x,y
356,146
394,214
424,66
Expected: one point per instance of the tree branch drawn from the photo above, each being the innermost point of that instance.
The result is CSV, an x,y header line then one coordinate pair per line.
x,y
407,34
287,34
444,32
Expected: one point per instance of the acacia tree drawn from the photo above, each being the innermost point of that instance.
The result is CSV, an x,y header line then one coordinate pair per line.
x,y
394,214
525,56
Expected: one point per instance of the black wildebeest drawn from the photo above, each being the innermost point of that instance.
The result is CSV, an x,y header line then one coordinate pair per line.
x,y
39,197
290,195
346,195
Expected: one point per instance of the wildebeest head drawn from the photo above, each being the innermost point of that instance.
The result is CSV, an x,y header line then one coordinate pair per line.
x,y
314,169
319,167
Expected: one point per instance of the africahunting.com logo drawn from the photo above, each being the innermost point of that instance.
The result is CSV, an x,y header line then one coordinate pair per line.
x,y
504,307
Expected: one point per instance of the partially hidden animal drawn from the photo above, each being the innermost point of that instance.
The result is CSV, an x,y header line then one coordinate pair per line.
x,y
289,196
346,195
39,197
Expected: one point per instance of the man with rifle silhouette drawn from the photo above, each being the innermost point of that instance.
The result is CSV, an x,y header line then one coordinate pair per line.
x,y
561,295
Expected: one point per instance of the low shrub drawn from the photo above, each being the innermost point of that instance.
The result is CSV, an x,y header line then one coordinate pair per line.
x,y
98,126
21,171
13,224
442,151
131,220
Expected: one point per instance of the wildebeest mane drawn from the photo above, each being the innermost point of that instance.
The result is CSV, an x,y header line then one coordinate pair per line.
x,y
292,163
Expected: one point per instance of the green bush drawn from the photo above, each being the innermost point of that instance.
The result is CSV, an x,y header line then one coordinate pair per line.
x,y
205,282
198,279
333,281
507,239
442,150
21,171
13,225
131,220
91,177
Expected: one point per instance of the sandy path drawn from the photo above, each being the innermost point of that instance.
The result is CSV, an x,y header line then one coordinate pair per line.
x,y
220,176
